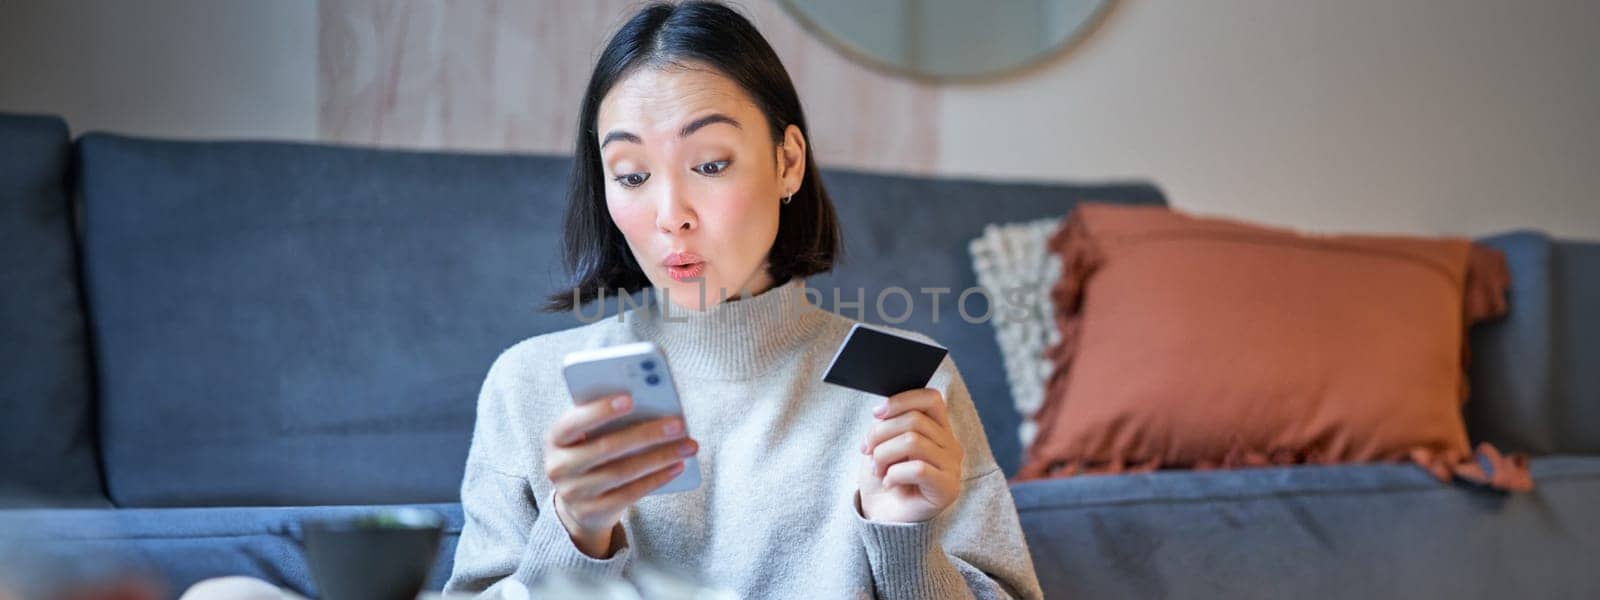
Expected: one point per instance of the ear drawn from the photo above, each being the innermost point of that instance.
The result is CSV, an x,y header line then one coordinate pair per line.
x,y
792,159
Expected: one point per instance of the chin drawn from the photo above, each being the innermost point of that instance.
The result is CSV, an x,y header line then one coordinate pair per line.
x,y
692,286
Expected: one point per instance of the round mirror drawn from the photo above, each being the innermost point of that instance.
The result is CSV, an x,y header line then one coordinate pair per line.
x,y
948,39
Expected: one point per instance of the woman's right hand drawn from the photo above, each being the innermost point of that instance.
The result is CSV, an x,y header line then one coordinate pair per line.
x,y
598,476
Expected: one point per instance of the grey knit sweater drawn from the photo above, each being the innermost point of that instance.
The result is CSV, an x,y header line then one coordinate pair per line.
x,y
776,514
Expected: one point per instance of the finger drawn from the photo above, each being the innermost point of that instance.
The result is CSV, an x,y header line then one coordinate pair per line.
x,y
564,463
575,423
629,440
919,473
927,400
915,420
630,493
906,446
623,471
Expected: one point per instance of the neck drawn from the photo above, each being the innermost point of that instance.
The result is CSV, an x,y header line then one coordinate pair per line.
x,y
732,339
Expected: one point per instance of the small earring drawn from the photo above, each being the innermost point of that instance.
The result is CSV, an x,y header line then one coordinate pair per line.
x,y
787,198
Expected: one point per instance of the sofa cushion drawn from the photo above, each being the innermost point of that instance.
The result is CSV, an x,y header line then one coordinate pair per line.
x,y
47,443
1367,531
1512,358
1533,378
913,233
1578,270
287,324
181,546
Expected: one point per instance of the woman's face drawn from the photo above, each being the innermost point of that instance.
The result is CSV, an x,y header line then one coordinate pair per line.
x,y
691,168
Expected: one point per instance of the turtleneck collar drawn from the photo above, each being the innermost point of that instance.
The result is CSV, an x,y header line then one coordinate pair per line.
x,y
734,339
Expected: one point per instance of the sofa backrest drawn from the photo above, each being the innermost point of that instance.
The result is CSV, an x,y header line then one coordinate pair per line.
x,y
47,449
283,324
301,324
1535,374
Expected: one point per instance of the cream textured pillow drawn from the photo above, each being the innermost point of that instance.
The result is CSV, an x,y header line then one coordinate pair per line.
x,y
1004,257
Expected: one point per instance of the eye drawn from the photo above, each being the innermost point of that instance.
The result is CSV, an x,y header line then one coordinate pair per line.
x,y
632,180
712,168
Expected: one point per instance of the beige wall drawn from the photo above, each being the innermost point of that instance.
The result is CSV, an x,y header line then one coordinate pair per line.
x,y
1428,116
1434,116
181,68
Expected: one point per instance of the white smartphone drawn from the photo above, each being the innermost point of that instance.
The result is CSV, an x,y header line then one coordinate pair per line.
x,y
639,369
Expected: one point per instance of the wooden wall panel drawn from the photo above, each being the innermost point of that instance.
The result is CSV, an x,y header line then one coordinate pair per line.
x,y
505,75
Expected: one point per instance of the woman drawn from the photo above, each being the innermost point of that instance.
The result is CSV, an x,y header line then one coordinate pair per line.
x,y
693,177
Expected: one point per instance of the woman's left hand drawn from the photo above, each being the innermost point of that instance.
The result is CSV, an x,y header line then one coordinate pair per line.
x,y
913,467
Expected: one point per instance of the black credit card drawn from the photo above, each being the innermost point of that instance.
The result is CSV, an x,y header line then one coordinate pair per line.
x,y
876,361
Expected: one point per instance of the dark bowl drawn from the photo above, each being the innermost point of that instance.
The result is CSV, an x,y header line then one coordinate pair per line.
x,y
383,555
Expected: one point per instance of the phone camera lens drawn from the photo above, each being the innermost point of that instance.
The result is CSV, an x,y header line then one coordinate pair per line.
x,y
652,379
648,365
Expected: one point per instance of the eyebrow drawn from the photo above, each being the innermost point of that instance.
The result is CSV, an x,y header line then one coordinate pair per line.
x,y
618,135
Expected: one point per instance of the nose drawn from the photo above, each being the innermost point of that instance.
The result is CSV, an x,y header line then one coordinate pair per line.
x,y
673,213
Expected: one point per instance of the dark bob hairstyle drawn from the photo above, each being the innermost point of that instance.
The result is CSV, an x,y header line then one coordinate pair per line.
x,y
663,35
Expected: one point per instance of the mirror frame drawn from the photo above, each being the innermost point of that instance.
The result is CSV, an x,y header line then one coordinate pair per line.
x,y
859,56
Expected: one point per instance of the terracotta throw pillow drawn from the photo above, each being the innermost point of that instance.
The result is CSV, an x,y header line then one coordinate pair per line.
x,y
1191,342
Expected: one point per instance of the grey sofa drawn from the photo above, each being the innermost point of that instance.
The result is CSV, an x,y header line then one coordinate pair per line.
x,y
207,342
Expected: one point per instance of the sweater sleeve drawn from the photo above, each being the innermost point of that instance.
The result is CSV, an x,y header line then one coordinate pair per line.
x,y
509,530
975,548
